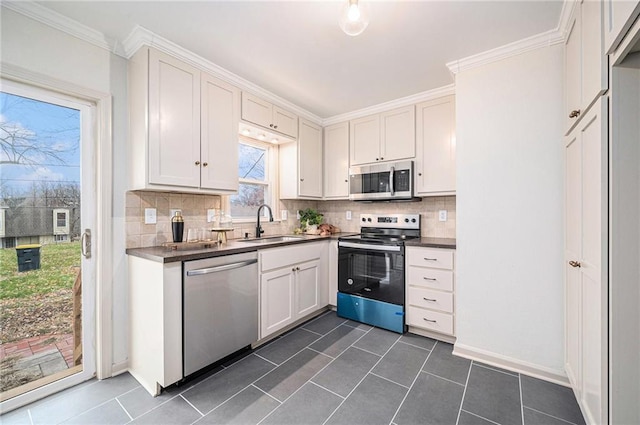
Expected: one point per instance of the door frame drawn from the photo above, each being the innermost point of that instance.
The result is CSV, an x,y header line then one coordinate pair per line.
x,y
103,243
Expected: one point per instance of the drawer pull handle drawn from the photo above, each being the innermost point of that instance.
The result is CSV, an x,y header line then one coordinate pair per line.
x,y
427,320
429,299
430,259
430,278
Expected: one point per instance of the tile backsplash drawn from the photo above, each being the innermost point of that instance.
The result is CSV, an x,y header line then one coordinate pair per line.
x,y
194,209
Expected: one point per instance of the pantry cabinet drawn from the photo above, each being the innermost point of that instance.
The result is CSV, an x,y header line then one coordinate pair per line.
x,y
183,127
387,136
265,114
435,164
336,161
586,66
301,164
586,292
293,285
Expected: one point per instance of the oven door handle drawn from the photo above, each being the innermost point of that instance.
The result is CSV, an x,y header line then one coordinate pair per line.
x,y
365,246
391,182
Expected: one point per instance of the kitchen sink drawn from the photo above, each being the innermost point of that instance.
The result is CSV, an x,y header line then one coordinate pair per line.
x,y
272,239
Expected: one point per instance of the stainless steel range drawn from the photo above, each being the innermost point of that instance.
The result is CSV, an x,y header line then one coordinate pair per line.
x,y
371,270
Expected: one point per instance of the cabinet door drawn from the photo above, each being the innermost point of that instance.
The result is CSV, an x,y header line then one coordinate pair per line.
x,y
256,110
284,122
573,73
276,300
336,161
307,288
219,141
436,147
333,273
174,122
310,160
398,134
618,18
594,62
364,138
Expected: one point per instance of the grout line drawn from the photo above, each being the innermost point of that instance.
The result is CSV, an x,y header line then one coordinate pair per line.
x,y
263,391
130,391
267,360
367,351
92,408
326,389
159,405
551,416
387,379
215,374
488,367
313,332
521,401
320,352
464,393
189,403
125,410
478,416
363,378
440,377
412,384
417,346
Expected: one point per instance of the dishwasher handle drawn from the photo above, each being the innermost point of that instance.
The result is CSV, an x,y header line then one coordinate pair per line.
x,y
222,268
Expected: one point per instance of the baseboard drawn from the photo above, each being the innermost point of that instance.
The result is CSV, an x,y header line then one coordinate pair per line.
x,y
119,368
514,365
433,335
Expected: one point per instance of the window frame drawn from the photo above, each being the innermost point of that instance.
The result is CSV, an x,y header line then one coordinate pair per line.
x,y
270,182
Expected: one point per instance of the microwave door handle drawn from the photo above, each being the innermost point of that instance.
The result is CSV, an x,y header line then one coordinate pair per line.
x,y
391,182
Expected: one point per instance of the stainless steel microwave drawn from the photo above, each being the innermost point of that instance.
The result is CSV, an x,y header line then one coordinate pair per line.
x,y
382,182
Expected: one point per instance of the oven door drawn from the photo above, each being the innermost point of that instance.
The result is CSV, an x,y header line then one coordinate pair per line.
x,y
371,271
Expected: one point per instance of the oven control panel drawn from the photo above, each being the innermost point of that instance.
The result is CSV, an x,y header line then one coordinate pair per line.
x,y
391,221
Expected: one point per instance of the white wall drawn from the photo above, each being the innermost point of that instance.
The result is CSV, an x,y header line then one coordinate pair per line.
x,y
39,48
510,296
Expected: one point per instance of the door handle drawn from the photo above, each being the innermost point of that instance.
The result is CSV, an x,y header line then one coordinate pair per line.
x,y
85,243
575,263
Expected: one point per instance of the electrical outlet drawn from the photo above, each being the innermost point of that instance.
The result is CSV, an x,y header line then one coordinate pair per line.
x,y
211,215
173,212
348,215
150,216
284,215
442,215
298,215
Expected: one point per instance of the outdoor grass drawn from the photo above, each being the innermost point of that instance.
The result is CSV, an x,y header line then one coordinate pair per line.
x,y
59,266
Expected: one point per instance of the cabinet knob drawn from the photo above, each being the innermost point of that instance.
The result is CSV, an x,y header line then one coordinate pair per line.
x,y
346,181
271,125
575,113
381,158
204,164
293,269
301,180
275,126
377,159
297,269
419,174
575,263
197,163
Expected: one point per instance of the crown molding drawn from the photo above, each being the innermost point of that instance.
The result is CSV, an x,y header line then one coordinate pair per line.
x,y
141,36
568,9
397,103
62,23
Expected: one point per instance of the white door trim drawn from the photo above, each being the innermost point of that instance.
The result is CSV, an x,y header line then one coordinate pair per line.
x,y
104,199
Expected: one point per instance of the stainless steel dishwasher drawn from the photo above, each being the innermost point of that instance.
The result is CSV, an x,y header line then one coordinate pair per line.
x,y
220,308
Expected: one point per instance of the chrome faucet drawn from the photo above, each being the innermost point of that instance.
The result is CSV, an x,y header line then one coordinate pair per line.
x,y
259,230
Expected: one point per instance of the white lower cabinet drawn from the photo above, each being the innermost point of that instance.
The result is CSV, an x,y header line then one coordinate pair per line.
x,y
430,291
293,284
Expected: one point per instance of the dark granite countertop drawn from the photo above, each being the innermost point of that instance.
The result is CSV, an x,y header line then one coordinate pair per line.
x,y
448,243
234,246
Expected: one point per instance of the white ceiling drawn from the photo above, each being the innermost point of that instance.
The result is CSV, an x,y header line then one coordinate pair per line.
x,y
296,50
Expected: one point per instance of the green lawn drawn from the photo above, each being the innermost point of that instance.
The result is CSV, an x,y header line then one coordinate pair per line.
x,y
59,266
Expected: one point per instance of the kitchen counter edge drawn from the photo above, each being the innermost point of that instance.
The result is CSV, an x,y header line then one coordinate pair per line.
x,y
447,243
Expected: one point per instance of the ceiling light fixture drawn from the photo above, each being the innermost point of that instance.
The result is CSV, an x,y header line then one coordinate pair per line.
x,y
354,17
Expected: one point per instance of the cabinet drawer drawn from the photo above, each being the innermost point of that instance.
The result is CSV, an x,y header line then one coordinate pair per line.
x,y
430,278
275,258
430,257
428,319
428,298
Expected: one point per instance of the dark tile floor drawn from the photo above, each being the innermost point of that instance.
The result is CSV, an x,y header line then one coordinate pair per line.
x,y
328,371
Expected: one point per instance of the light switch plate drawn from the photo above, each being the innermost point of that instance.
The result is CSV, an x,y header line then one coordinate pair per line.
x,y
211,215
348,215
442,215
284,215
150,216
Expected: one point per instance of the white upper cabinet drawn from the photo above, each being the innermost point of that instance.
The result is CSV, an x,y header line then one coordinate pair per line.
x,y
618,18
183,126
435,166
301,164
336,161
387,136
265,114
585,61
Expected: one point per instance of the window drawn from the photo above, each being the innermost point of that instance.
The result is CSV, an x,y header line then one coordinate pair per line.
x,y
61,219
256,174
